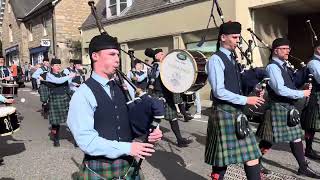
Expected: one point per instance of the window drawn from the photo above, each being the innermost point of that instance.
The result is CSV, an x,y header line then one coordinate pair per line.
x,y
207,48
116,7
45,25
10,33
30,32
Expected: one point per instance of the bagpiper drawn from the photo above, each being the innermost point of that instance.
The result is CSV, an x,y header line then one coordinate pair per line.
x,y
226,142
281,122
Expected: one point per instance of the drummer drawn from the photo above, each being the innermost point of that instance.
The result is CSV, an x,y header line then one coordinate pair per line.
x,y
5,73
7,101
159,90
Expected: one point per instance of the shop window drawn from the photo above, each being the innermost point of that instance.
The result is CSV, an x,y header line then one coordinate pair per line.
x,y
45,26
207,48
10,33
30,36
116,7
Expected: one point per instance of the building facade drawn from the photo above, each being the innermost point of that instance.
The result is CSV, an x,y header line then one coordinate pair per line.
x,y
180,24
36,29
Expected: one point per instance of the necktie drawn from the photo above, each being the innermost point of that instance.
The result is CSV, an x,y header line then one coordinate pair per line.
x,y
284,65
111,85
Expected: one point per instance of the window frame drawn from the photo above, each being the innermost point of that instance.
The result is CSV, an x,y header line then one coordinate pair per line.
x,y
30,35
117,5
44,26
10,33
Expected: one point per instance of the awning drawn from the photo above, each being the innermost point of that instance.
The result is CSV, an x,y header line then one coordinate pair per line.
x,y
11,49
38,49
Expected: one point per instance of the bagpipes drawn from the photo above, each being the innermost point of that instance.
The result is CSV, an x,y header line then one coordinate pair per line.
x,y
145,112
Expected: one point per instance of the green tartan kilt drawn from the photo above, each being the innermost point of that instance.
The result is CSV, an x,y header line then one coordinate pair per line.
x,y
281,131
97,170
177,98
310,118
58,108
170,109
44,92
222,145
264,130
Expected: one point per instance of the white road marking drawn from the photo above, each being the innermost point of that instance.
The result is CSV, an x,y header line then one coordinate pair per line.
x,y
199,120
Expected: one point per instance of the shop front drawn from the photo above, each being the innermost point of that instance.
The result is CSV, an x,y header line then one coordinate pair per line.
x,y
12,55
37,54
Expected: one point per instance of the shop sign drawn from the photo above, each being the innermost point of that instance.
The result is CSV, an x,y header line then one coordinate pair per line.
x,y
45,42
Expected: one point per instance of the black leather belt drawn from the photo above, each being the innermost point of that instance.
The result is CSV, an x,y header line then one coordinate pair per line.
x,y
105,159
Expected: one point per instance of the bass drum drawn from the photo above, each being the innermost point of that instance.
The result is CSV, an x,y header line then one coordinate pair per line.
x,y
183,70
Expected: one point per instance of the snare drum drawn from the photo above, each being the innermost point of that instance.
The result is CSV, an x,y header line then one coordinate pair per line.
x,y
188,97
183,70
9,90
8,121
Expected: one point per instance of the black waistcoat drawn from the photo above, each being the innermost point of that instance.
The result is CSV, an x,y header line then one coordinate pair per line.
x,y
287,76
232,79
111,119
59,89
315,84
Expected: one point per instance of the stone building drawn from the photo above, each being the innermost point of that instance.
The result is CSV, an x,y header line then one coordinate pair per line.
x,y
35,29
180,24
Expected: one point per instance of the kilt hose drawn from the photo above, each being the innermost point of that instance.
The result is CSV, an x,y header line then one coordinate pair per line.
x,y
310,118
44,92
222,145
58,108
97,170
276,120
170,108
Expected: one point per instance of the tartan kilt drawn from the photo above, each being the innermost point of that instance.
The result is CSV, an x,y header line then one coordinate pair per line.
x,y
58,108
281,131
310,117
177,98
170,108
105,169
44,92
222,145
264,130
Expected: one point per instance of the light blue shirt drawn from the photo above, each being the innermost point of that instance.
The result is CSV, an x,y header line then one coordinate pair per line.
x,y
314,67
39,71
215,70
277,83
57,80
140,77
81,123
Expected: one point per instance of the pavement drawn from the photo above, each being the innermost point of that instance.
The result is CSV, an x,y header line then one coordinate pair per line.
x,y
29,153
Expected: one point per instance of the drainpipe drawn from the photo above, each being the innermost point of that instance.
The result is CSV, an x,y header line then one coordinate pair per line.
x,y
54,43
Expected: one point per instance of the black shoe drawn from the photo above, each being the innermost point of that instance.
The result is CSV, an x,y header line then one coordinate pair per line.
x,y
187,118
184,142
312,154
308,172
265,170
56,143
179,115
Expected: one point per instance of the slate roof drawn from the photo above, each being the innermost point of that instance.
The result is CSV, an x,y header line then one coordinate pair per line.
x,y
24,8
138,8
